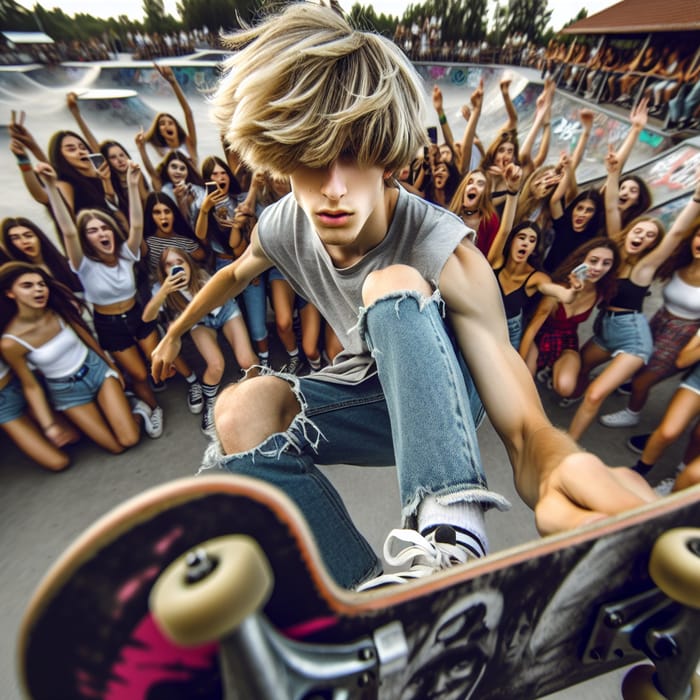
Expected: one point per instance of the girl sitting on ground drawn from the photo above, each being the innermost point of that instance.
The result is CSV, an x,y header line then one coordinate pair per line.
x,y
179,279
42,327
550,344
104,262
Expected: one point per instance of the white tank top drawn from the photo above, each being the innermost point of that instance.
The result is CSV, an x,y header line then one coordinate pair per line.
x,y
682,299
60,356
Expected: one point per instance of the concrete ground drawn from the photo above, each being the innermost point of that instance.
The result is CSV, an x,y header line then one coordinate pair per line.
x,y
41,513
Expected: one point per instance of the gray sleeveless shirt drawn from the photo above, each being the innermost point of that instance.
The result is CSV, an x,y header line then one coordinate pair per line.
x,y
421,235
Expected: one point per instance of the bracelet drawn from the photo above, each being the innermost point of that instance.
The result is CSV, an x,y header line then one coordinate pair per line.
x,y
25,167
21,159
546,123
513,194
442,118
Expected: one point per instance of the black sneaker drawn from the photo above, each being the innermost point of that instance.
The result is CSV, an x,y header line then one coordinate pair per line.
x,y
157,387
293,366
195,398
208,419
637,443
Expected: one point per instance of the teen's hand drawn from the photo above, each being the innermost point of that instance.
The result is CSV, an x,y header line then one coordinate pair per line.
x,y
437,98
133,173
46,171
72,103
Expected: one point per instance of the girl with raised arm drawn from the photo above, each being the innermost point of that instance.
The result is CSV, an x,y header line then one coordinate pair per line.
x,y
104,262
624,337
165,133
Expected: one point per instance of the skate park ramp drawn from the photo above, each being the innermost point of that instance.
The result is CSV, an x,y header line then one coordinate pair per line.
x,y
118,97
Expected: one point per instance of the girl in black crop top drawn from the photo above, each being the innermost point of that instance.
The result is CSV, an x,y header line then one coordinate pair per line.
x,y
519,278
624,338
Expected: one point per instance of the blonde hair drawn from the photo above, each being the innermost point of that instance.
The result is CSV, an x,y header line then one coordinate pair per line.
x,y
305,88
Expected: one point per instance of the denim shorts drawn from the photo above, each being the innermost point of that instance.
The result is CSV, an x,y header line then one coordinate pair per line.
x,y
691,381
273,274
515,329
229,310
626,332
120,331
12,401
81,387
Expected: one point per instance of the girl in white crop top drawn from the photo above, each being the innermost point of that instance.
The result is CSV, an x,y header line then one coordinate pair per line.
x,y
672,326
42,324
104,264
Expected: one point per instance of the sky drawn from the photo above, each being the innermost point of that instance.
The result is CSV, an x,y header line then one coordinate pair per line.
x,y
563,10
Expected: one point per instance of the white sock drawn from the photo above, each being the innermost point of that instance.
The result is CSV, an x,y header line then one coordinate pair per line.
x,y
631,412
191,379
315,364
466,517
293,353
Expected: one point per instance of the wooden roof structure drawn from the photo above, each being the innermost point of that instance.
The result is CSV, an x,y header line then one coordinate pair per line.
x,y
641,17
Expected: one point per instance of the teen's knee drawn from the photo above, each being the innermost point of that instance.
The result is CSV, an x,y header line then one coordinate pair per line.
x,y
249,412
394,278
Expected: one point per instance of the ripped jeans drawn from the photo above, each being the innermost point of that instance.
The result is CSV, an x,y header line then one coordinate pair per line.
x,y
418,412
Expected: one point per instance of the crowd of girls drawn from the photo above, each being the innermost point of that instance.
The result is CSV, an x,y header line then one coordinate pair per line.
x,y
134,248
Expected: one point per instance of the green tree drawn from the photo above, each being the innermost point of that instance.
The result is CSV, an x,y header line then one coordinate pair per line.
x,y
529,17
15,18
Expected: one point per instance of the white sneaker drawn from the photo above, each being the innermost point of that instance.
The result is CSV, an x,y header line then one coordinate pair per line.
x,y
156,423
664,487
152,426
422,556
620,419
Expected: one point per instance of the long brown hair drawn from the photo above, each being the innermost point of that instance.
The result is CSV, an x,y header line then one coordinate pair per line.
x,y
176,303
61,300
607,285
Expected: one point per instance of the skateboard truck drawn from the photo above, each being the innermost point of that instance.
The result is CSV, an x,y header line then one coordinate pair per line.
x,y
660,623
217,592
259,662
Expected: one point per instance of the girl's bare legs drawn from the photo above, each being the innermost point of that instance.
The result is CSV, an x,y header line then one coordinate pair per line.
x,y
206,343
25,433
310,334
283,305
592,355
131,362
620,369
565,372
332,344
236,333
115,408
682,410
642,384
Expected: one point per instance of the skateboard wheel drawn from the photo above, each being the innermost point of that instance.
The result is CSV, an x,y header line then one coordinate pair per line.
x,y
674,565
208,609
638,684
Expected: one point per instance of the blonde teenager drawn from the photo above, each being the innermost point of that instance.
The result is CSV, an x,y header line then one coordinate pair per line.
x,y
339,111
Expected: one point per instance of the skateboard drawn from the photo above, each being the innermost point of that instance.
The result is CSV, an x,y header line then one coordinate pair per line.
x,y
212,587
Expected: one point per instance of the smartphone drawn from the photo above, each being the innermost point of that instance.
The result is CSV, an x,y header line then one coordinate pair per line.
x,y
580,271
432,134
212,187
175,269
96,159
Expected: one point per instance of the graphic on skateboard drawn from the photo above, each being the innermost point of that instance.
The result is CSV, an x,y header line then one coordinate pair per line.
x,y
521,623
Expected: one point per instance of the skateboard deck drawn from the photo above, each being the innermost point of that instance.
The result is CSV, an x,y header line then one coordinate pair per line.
x,y
515,624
